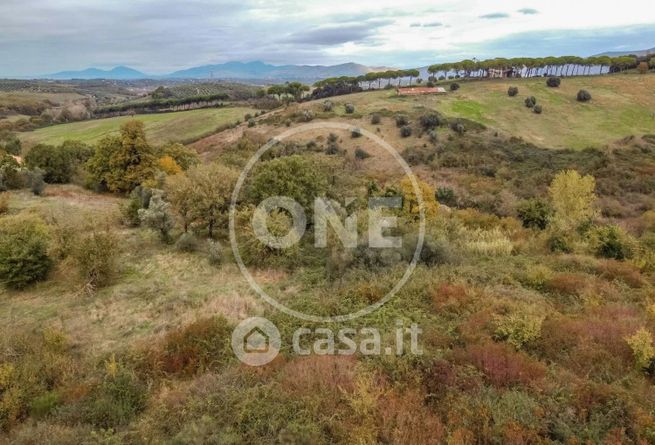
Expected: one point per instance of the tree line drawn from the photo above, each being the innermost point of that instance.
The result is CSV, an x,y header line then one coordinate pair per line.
x,y
531,66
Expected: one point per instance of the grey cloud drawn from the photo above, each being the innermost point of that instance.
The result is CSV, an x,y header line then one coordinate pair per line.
x,y
339,34
528,11
495,15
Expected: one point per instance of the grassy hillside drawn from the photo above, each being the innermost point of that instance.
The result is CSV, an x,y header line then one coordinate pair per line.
x,y
160,128
620,106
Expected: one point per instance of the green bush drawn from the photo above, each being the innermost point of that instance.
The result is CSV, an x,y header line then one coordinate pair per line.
x,y
559,243
23,251
10,173
433,136
361,154
356,133
115,401
535,213
37,184
583,96
446,195
458,128
512,91
293,176
95,254
431,121
60,163
537,109
251,123
327,106
350,108
375,119
530,102
553,82
406,131
454,86
401,120
612,242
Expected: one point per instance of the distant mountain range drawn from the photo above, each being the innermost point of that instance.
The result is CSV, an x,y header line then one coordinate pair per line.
x,y
639,53
230,70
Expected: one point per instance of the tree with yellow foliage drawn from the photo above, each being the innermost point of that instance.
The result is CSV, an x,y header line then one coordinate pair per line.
x,y
410,200
573,199
168,165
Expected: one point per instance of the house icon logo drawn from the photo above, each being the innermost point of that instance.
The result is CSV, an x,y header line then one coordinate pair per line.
x,y
256,341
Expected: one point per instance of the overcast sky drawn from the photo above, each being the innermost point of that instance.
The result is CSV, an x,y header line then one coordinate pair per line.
x,y
158,36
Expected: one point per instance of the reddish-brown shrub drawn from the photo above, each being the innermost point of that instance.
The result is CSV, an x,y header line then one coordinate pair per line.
x,y
449,296
593,345
619,270
569,284
404,418
442,375
502,365
198,347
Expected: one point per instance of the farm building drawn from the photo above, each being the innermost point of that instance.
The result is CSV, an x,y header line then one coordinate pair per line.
x,y
415,91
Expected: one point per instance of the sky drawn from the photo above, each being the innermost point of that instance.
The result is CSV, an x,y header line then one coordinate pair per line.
x,y
159,36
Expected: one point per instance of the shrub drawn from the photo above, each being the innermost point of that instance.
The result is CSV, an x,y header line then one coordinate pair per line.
x,y
187,242
530,102
356,133
251,122
327,106
535,213
488,242
446,195
437,252
406,131
454,86
573,199
518,329
512,91
537,109
350,108
431,121
361,154
158,216
401,120
501,365
95,254
560,243
202,346
214,253
115,401
612,242
375,119
553,82
37,184
568,284
458,128
293,176
307,116
58,164
583,96
433,136
641,343
23,251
